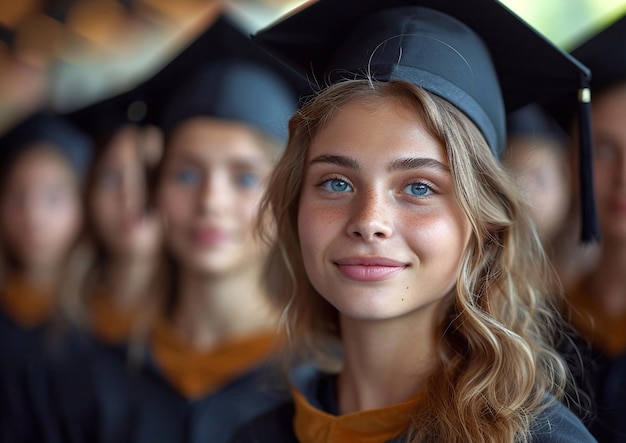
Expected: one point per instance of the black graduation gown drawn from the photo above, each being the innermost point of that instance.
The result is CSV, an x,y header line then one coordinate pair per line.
x,y
555,425
138,405
609,424
25,412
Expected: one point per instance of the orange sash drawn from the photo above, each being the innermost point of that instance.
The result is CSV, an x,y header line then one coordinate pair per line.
x,y
28,305
196,373
374,426
607,333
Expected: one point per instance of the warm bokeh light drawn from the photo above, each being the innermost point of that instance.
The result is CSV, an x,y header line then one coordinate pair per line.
x,y
69,53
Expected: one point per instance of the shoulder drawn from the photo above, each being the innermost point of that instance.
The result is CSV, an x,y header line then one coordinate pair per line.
x,y
558,424
274,426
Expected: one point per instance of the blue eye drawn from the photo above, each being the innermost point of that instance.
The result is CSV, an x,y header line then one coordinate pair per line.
x,y
247,180
336,185
188,177
418,189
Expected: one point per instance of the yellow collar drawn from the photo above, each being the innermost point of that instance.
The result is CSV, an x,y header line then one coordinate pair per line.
x,y
28,305
312,425
607,333
196,373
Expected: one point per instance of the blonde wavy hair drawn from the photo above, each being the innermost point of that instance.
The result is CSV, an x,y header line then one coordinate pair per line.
x,y
497,357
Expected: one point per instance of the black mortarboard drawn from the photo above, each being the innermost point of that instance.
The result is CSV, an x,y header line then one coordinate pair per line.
x,y
53,130
235,80
604,55
101,119
534,121
482,58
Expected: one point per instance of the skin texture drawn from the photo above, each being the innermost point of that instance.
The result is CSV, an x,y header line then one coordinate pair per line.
x,y
40,210
377,187
118,200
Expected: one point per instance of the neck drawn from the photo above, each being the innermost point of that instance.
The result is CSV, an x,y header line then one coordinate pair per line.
x,y
386,362
609,279
214,309
44,279
128,279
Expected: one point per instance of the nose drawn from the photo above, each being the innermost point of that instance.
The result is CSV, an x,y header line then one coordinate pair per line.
x,y
371,218
132,194
214,196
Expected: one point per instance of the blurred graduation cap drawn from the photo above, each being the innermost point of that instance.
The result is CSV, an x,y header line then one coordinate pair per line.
x,y
534,121
604,55
221,74
55,131
235,80
481,58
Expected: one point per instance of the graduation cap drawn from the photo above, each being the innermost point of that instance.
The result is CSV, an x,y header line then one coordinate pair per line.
x,y
56,132
235,80
534,121
482,58
604,55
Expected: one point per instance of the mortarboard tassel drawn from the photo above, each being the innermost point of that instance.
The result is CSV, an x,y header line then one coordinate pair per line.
x,y
590,229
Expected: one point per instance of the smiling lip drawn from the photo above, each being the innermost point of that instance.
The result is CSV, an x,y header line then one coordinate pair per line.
x,y
369,269
209,236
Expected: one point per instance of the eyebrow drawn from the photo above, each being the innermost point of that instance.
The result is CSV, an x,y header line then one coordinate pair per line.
x,y
405,164
339,160
402,164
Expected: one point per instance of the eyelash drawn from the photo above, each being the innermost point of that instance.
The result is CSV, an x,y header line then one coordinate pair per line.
x,y
333,178
429,185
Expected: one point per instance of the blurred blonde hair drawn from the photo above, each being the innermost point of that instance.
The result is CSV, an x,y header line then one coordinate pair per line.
x,y
497,357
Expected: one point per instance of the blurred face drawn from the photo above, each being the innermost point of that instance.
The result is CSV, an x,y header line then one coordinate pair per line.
x,y
212,182
381,232
118,200
609,133
40,209
539,168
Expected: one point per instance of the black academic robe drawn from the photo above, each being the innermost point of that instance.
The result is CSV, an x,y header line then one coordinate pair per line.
x,y
555,425
25,412
129,404
609,424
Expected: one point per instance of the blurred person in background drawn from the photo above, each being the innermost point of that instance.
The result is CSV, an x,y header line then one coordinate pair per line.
x,y
598,297
119,295
43,162
127,232
205,366
537,157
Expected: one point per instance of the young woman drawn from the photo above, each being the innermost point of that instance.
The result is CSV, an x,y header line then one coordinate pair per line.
x,y
403,244
120,292
597,298
43,162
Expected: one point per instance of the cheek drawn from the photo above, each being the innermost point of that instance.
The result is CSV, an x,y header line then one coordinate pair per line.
x,y
434,237
177,205
65,221
105,209
317,228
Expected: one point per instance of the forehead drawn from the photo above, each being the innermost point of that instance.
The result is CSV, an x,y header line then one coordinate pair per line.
x,y
391,125
204,139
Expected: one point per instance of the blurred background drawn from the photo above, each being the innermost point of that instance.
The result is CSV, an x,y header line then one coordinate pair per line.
x,y
64,54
